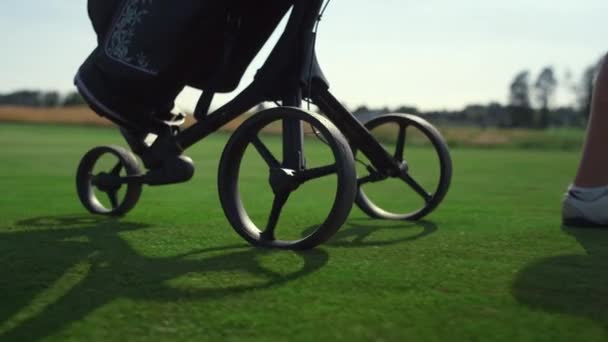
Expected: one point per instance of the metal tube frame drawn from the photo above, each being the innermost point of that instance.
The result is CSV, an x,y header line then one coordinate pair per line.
x,y
290,73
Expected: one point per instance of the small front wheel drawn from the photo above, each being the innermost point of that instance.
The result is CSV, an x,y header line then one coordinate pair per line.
x,y
102,184
257,189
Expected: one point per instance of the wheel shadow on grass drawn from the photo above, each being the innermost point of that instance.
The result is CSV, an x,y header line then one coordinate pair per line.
x,y
362,233
570,284
62,268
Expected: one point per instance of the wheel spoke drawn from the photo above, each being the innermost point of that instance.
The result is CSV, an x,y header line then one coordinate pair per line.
x,y
116,169
273,219
373,176
113,196
366,179
416,186
265,152
401,142
94,179
317,172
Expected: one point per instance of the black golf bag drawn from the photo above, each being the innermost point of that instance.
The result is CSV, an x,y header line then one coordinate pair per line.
x,y
149,50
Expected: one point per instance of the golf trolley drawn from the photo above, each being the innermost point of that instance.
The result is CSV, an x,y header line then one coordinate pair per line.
x,y
290,75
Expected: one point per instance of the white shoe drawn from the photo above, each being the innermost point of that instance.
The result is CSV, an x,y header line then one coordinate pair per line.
x,y
583,213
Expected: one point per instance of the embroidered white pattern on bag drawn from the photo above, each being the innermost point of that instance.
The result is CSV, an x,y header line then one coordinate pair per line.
x,y
120,40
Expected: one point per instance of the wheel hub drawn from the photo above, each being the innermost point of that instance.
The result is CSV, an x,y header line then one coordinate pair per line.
x,y
283,180
404,167
106,182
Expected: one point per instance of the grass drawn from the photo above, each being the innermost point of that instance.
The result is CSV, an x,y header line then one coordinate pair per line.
x,y
493,263
565,139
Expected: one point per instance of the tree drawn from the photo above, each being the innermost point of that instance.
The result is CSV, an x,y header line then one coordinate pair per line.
x,y
408,110
585,91
475,114
73,99
519,100
520,90
50,99
30,98
361,110
545,86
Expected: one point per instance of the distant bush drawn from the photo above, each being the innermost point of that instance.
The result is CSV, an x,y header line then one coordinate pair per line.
x,y
41,99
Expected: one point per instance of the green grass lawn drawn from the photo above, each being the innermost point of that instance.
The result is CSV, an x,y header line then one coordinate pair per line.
x,y
492,263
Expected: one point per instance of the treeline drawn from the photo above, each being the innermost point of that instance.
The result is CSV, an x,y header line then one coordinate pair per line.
x,y
530,104
43,99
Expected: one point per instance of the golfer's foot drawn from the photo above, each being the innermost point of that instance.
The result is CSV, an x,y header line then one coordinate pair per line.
x,y
174,170
579,211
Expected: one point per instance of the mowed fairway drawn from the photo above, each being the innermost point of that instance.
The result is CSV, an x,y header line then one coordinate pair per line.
x,y
492,263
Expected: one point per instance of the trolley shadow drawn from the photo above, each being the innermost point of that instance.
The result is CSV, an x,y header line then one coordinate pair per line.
x,y
32,261
359,233
570,284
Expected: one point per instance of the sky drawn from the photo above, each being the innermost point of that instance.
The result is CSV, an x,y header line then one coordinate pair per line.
x,y
434,54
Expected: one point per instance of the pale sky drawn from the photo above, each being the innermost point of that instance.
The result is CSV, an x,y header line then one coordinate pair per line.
x,y
431,53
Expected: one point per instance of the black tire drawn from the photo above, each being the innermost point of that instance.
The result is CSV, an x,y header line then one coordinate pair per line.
x,y
85,180
229,170
367,205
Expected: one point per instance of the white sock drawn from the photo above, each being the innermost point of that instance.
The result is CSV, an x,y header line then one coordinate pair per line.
x,y
588,194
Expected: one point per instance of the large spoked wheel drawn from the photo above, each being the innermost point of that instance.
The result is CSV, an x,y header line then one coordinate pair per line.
x,y
426,175
255,187
101,184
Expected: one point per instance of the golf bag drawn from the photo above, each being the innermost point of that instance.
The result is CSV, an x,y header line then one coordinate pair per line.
x,y
149,50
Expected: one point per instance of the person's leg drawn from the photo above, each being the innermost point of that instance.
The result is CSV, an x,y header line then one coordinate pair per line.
x,y
586,202
593,168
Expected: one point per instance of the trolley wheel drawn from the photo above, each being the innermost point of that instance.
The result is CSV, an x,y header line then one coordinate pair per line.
x,y
427,174
101,184
310,186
